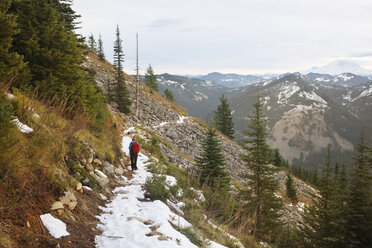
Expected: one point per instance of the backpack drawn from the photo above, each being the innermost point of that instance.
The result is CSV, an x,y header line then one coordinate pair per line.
x,y
135,147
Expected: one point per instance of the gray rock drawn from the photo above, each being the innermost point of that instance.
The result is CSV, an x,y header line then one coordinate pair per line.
x,y
57,205
109,168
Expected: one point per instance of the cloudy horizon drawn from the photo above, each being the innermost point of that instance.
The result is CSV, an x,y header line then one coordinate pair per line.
x,y
236,36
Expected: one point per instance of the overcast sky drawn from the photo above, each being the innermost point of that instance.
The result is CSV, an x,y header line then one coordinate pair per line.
x,y
232,36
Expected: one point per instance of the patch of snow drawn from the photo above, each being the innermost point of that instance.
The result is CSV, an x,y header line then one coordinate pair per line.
x,y
161,124
87,188
232,112
55,227
320,79
266,82
22,127
171,82
213,244
199,193
268,107
100,173
343,77
10,96
300,206
170,180
182,87
119,231
36,116
312,96
347,97
367,92
286,91
181,119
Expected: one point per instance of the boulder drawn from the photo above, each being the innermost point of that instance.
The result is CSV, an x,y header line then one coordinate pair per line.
x,y
57,205
103,197
67,198
97,161
119,171
102,181
109,168
72,205
79,186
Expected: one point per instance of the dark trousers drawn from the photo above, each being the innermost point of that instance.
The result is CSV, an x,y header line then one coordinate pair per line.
x,y
133,160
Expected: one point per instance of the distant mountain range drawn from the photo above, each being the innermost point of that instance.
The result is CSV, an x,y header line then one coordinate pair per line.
x,y
306,112
340,66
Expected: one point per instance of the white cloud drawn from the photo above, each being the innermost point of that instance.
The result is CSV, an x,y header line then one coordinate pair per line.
x,y
199,36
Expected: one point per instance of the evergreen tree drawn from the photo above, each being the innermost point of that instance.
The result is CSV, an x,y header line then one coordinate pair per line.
x,y
340,209
169,95
223,118
262,202
360,203
92,43
277,159
290,188
319,217
53,56
100,52
10,62
121,91
150,79
212,162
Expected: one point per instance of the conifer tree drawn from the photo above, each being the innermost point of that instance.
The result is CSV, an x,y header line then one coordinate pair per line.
x,y
121,92
92,43
340,208
360,203
262,202
319,217
277,159
290,188
211,162
53,56
10,62
150,79
169,95
223,118
100,52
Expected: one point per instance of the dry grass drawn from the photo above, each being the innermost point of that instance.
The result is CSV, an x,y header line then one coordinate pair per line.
x,y
35,172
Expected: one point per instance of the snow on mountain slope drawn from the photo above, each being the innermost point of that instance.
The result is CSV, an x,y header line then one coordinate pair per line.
x,y
340,66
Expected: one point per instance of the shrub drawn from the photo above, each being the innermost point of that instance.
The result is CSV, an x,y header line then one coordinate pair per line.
x,y
157,188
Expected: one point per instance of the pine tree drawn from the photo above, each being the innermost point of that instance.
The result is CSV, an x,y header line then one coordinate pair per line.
x,y
10,62
121,91
262,202
340,209
318,217
92,43
277,159
211,162
360,203
100,52
290,188
223,118
150,79
169,95
53,56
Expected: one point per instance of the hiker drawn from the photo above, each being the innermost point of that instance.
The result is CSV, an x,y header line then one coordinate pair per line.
x,y
134,149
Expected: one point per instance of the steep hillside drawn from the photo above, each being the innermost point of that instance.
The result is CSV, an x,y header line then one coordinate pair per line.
x,y
303,119
199,97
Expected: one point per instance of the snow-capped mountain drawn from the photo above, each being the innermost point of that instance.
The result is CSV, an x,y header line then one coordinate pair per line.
x,y
305,116
344,79
339,67
232,80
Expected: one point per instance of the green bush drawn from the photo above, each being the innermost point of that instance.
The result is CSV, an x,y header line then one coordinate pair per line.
x,y
192,236
157,188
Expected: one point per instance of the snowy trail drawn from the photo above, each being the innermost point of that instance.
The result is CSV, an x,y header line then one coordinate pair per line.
x,y
122,220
